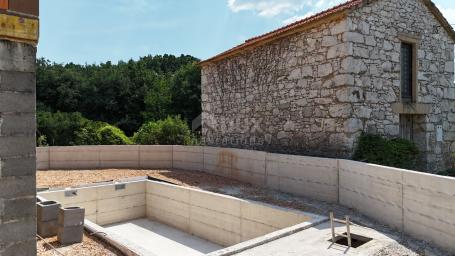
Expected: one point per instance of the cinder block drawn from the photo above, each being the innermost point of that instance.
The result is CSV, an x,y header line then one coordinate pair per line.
x,y
70,235
26,247
19,145
13,187
13,232
17,57
17,81
18,208
71,216
23,102
23,166
47,229
18,124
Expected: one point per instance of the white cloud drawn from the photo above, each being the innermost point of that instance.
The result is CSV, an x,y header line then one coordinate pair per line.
x,y
288,10
449,13
297,17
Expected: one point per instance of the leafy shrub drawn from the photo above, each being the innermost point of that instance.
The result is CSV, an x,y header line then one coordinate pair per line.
x,y
450,173
111,135
170,131
87,135
398,153
59,128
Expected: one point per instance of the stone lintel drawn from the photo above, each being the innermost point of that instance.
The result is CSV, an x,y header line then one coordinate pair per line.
x,y
411,108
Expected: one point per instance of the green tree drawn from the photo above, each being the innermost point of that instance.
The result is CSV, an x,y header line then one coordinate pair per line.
x,y
170,131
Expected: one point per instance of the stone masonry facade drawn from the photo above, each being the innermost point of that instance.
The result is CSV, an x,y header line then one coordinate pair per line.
x,y
316,91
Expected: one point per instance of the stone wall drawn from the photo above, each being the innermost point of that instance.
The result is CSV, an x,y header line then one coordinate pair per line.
x,y
375,47
282,97
316,91
17,149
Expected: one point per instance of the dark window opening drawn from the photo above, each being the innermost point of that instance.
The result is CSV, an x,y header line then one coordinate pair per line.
x,y
406,71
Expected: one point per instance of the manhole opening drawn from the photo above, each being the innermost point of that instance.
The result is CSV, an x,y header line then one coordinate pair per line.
x,y
356,240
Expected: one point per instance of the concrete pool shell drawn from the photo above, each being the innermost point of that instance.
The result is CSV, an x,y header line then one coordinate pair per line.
x,y
152,218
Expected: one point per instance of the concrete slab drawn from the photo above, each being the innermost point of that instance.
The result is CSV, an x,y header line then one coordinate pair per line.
x,y
315,241
158,239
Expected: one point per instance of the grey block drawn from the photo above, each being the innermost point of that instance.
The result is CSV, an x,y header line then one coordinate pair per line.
x,y
18,124
47,211
47,228
70,235
17,231
21,166
71,216
13,187
25,248
17,145
17,81
18,208
17,56
17,102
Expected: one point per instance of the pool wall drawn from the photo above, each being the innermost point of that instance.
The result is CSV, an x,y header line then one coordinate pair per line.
x,y
419,204
221,219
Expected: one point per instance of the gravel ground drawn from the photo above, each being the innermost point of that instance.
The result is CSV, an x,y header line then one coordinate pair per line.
x,y
404,246
90,246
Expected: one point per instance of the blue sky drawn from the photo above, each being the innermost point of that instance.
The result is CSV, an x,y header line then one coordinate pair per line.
x,y
94,31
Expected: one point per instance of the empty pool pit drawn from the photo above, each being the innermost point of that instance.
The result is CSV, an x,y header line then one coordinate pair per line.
x,y
148,217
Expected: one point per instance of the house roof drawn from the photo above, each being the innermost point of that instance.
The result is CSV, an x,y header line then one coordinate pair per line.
x,y
294,27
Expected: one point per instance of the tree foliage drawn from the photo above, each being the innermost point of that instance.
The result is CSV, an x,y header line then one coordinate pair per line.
x,y
170,131
126,94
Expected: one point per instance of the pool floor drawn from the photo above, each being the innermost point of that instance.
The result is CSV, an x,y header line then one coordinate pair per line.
x,y
154,238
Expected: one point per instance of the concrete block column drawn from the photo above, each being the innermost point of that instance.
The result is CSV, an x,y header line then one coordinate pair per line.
x,y
18,39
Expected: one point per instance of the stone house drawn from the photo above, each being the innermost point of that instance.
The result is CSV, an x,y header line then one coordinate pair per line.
x,y
312,87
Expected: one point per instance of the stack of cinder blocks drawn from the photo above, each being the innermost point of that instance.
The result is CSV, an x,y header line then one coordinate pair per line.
x,y
47,217
70,225
18,39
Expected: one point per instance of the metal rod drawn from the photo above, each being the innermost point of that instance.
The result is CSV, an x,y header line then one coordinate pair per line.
x,y
332,227
348,231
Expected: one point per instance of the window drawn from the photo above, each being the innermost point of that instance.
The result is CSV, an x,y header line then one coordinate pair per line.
x,y
407,71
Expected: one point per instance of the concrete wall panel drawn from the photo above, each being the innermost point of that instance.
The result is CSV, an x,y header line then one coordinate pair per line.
x,y
155,157
429,208
217,161
81,157
42,158
188,158
309,176
119,156
374,190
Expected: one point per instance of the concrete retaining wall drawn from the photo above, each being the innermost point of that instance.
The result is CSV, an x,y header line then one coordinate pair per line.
x,y
421,205
104,204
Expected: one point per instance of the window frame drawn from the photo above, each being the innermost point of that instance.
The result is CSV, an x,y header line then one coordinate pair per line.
x,y
414,41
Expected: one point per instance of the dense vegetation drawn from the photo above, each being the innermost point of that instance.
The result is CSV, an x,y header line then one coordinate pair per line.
x,y
108,103
398,153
